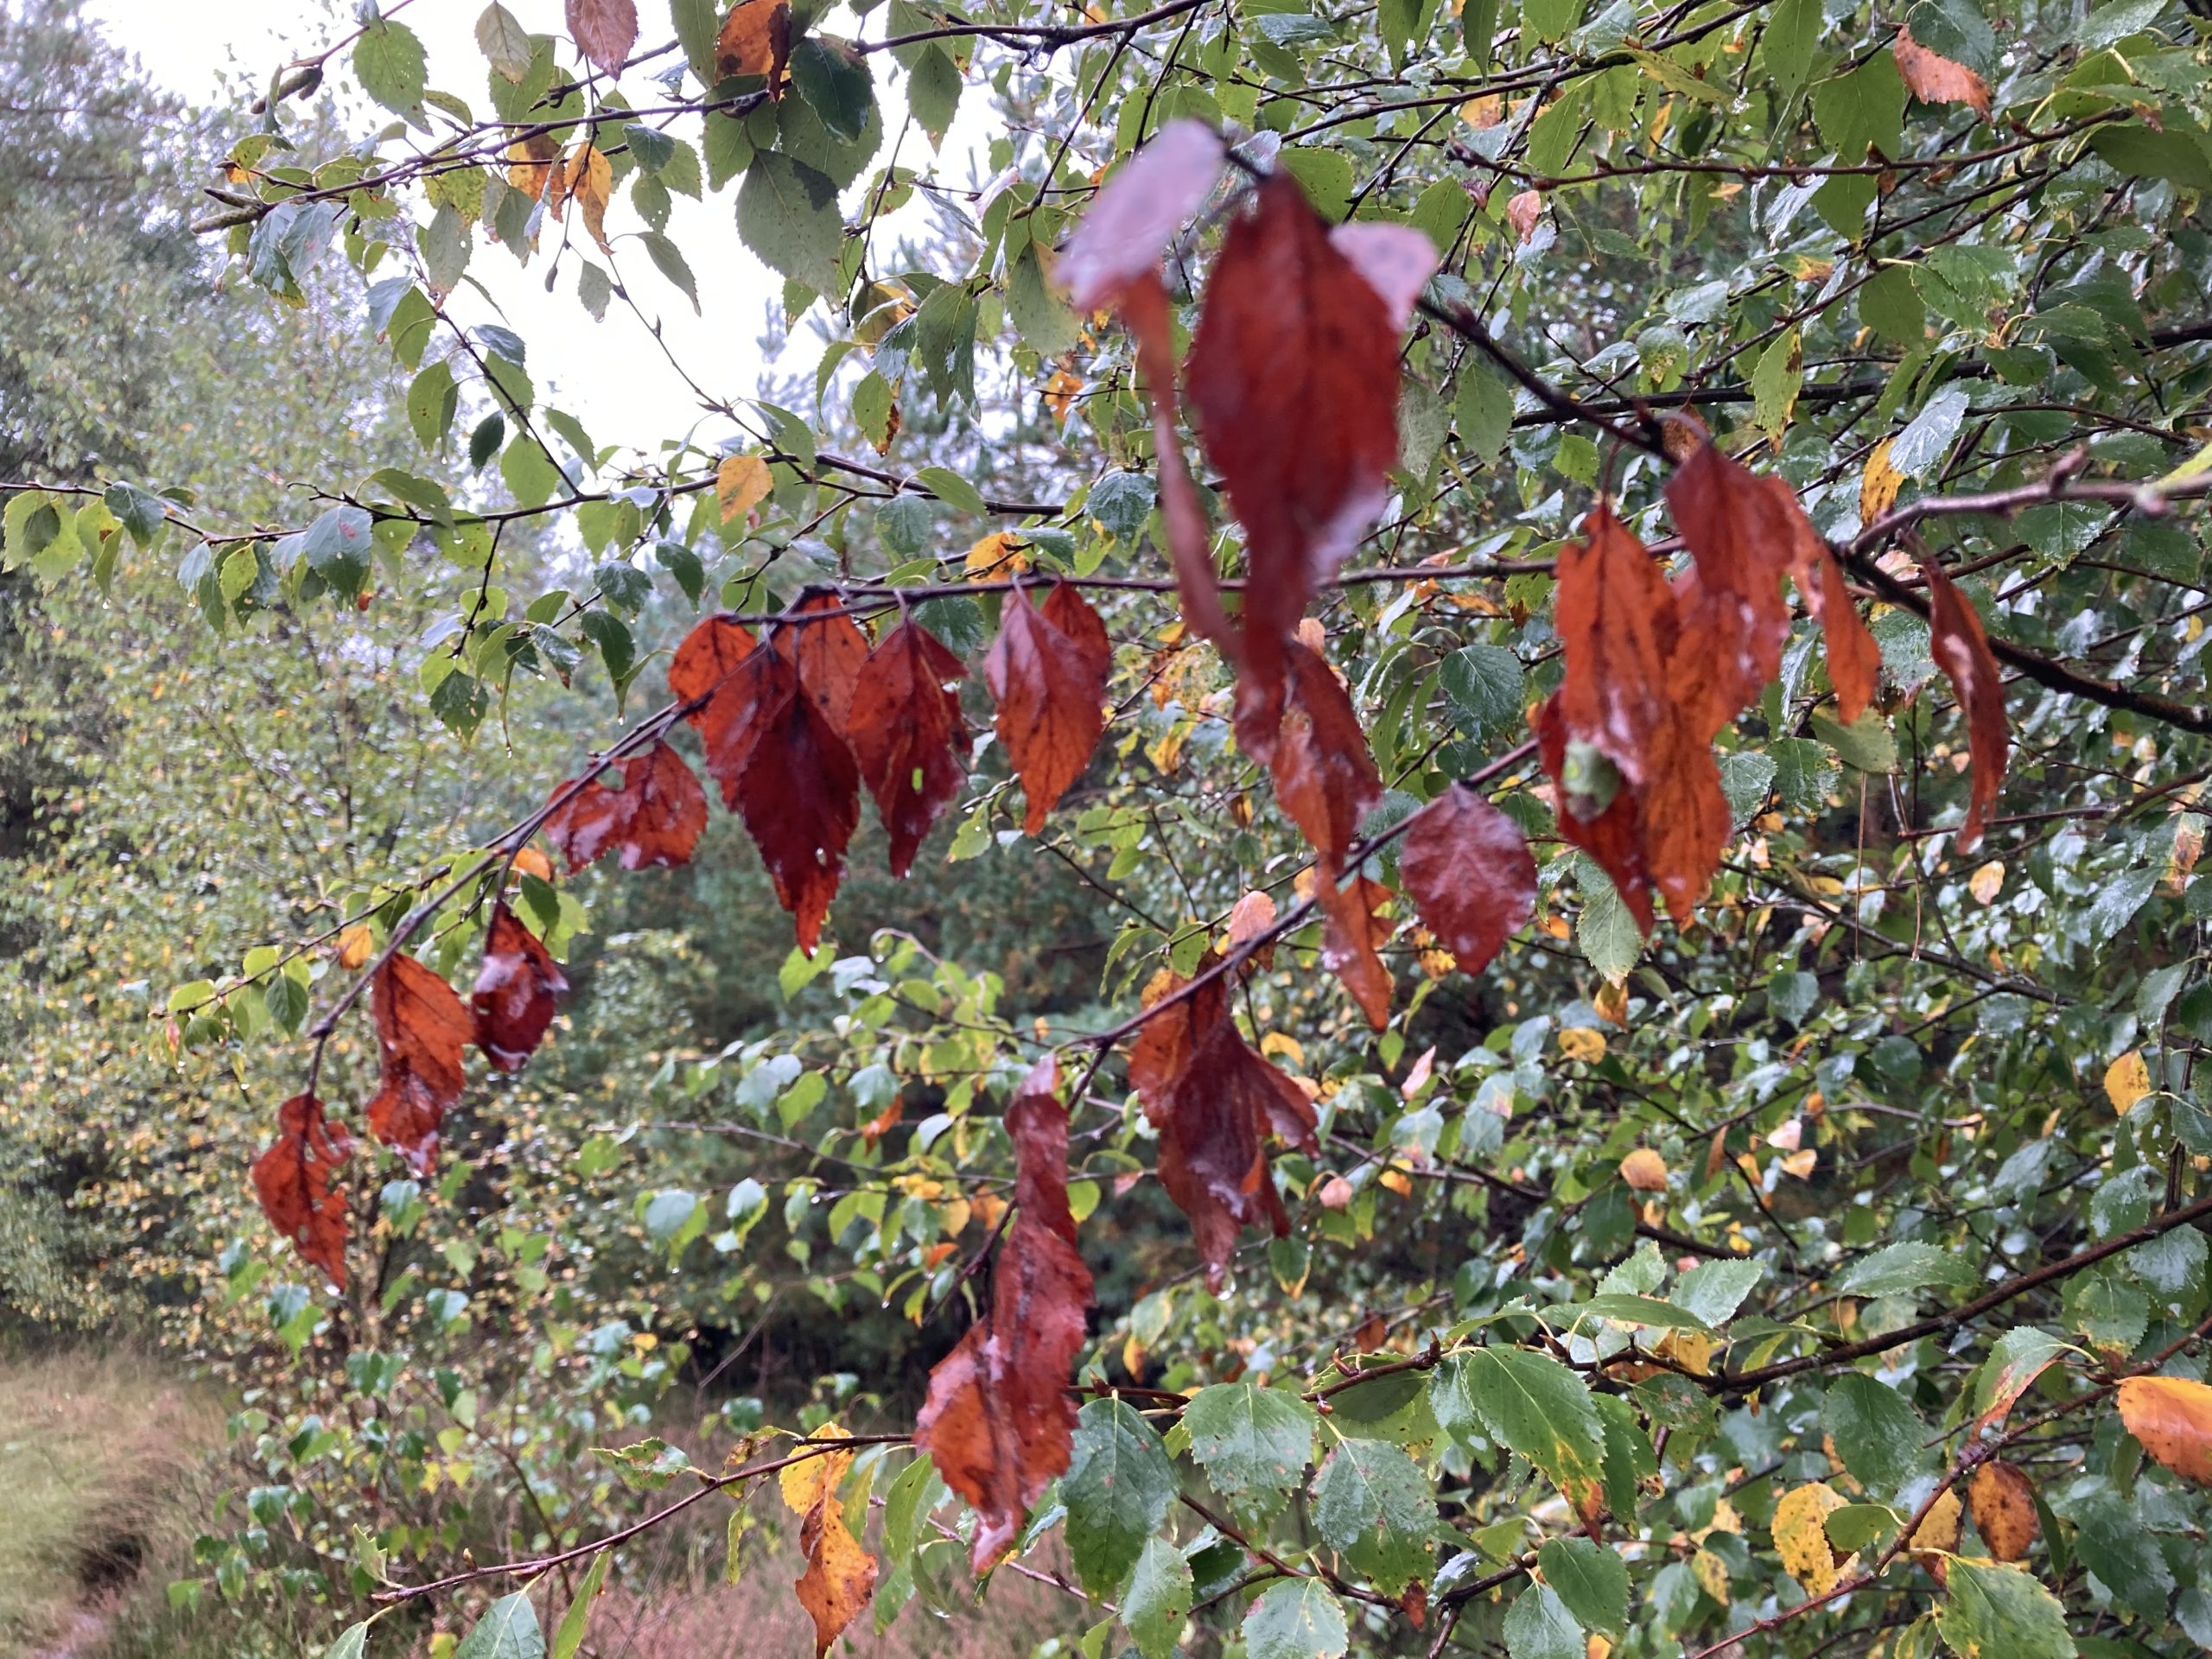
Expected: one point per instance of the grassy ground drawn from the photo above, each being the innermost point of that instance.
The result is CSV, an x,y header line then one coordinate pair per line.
x,y
99,1458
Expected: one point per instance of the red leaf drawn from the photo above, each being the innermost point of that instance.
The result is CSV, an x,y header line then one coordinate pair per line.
x,y
1211,1098
605,30
1961,650
1743,531
1189,548
703,667
1609,830
421,1029
1352,936
908,737
294,1181
515,991
999,1422
1048,670
1614,615
1469,872
1325,777
1137,213
654,813
829,650
786,771
1294,377
1396,260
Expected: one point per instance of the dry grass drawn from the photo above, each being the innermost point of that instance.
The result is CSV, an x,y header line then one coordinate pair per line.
x,y
98,1462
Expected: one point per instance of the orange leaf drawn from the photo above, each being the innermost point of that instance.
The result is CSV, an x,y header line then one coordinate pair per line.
x,y
422,1030
1325,777
2172,1416
1743,531
590,184
515,991
999,1422
356,945
1251,916
2003,1504
1961,650
295,1180
756,40
840,1575
1522,212
710,654
1468,869
908,737
1934,79
1048,670
605,30
1644,1170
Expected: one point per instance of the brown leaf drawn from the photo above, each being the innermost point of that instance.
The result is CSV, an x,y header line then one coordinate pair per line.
x,y
785,770
1609,830
515,992
1733,622
2002,1501
756,40
1961,650
1854,660
1469,872
654,812
1211,1098
1352,936
1047,670
1138,212
1325,777
908,737
533,164
295,1181
1615,619
1522,212
1294,374
2172,1416
828,647
1934,79
999,1422
422,1030
605,30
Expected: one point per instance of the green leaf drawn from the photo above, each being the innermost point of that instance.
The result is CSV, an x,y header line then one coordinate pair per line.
x,y
934,84
1714,1290
787,214
352,1642
1118,1490
1866,743
1590,1579
432,402
1904,1269
505,43
1995,1612
1040,316
952,489
1373,1505
697,22
1607,929
1485,685
1539,1626
389,61
1532,1404
1157,1599
835,79
573,1623
507,1630
1482,410
1876,1431
1295,1618
1648,1311
2145,152
1774,382
669,260
1253,1443
1792,30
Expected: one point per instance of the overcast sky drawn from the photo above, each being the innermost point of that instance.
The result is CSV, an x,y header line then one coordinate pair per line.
x,y
611,375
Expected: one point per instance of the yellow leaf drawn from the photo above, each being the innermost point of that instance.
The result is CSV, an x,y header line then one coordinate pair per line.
x,y
2172,1416
1801,1535
804,1483
741,483
1800,1164
1644,1170
1939,1528
355,946
1276,1042
2126,1080
590,183
1611,1003
1712,1575
1877,484
1691,1350
530,861
1987,881
840,1575
1397,1181
1580,1043
1002,553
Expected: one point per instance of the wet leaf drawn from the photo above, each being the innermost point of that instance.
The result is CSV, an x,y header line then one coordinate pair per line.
x,y
296,1181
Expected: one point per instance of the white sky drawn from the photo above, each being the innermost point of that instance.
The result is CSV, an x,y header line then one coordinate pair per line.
x,y
610,375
